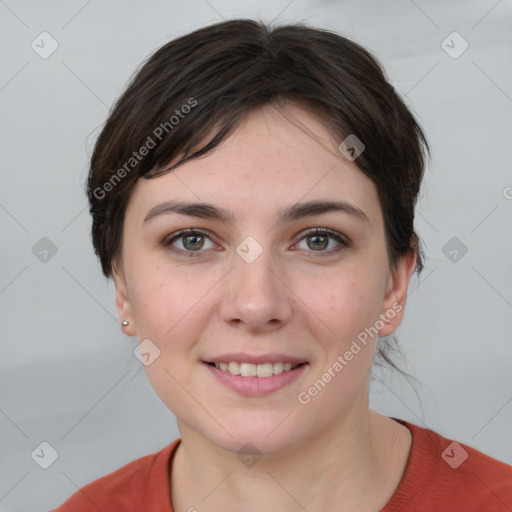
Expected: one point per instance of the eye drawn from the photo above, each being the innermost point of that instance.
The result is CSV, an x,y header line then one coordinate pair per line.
x,y
191,241
320,238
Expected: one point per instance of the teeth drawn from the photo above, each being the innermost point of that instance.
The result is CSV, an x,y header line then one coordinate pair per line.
x,y
278,368
234,368
264,370
255,370
248,370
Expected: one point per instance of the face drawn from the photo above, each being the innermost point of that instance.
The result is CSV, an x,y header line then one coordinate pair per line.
x,y
262,288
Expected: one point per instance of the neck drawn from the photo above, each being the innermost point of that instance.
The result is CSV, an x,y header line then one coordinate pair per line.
x,y
354,466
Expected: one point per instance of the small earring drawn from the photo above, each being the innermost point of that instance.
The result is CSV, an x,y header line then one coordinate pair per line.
x,y
124,323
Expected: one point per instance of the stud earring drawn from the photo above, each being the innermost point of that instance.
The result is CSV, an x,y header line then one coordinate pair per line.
x,y
124,323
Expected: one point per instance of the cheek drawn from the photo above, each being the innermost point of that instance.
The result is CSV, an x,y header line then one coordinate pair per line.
x,y
154,304
348,308
171,306
343,304
170,309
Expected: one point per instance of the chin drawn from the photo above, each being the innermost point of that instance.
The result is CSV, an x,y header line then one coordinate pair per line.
x,y
255,443
263,433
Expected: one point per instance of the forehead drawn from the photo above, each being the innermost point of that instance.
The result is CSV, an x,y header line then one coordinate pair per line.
x,y
269,162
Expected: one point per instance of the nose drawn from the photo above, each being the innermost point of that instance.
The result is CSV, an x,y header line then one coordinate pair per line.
x,y
257,296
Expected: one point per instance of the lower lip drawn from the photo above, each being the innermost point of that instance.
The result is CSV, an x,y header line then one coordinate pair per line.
x,y
254,386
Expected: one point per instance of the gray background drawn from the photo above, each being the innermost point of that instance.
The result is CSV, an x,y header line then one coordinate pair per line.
x,y
67,373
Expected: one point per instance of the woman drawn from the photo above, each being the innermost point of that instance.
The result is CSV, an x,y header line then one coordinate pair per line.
x,y
260,261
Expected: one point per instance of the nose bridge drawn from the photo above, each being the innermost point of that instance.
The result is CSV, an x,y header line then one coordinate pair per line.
x,y
254,266
257,294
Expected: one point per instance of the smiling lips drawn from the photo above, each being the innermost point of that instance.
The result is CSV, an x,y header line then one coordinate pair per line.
x,y
256,376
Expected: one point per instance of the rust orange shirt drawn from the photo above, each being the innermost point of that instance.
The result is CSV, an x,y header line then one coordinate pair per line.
x,y
441,476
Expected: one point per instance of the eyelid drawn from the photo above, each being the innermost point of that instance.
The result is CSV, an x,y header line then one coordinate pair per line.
x,y
343,241
333,233
168,240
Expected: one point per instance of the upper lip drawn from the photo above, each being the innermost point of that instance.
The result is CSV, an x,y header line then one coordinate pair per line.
x,y
255,359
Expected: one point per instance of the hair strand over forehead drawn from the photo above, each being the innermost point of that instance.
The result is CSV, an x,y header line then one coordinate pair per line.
x,y
226,70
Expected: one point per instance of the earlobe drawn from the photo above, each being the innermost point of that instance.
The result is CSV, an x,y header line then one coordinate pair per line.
x,y
393,307
123,304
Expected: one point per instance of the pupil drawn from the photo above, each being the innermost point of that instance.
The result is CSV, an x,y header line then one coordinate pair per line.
x,y
194,243
321,245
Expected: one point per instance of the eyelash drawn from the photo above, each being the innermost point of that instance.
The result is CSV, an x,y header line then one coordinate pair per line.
x,y
343,241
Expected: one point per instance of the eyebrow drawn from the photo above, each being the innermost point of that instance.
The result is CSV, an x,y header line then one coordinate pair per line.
x,y
291,213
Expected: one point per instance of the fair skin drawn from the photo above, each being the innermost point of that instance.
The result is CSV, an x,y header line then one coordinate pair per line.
x,y
300,298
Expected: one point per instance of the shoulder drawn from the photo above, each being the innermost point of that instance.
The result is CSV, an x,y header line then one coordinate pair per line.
x,y
442,473
135,486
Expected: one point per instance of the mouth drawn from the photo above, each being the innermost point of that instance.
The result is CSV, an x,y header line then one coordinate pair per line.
x,y
262,370
260,377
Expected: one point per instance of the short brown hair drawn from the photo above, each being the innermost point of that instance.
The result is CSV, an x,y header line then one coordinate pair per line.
x,y
209,79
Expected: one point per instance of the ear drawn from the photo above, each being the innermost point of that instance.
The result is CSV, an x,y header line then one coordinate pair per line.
x,y
123,305
393,307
